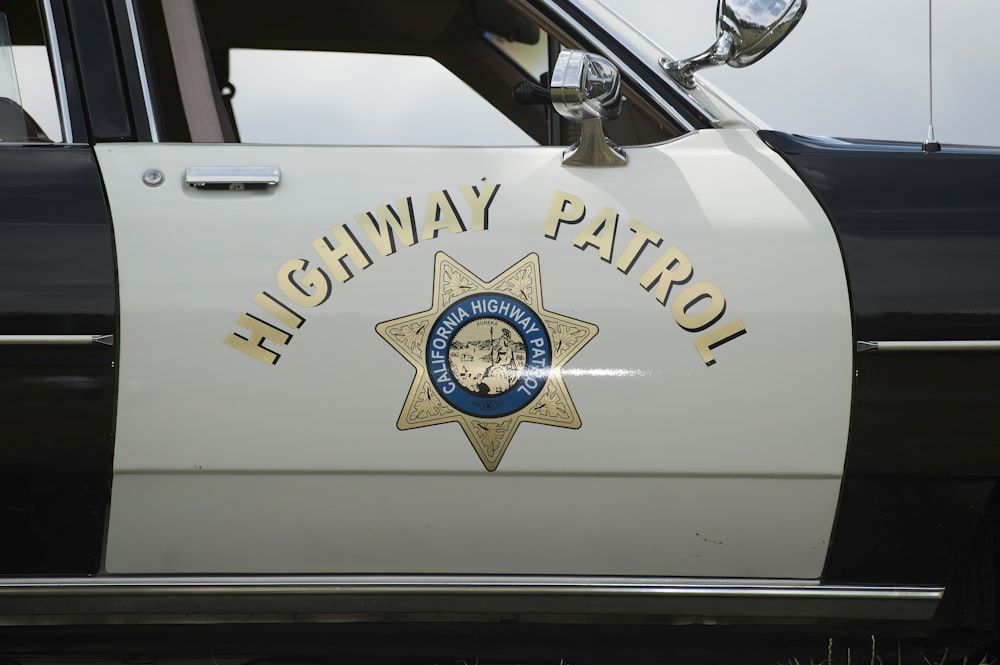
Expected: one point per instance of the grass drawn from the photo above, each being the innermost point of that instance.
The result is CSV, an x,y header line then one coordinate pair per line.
x,y
875,659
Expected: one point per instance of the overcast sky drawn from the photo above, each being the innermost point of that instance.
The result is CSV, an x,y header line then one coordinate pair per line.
x,y
855,68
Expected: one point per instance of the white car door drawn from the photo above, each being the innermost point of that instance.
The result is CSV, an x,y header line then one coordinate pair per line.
x,y
478,361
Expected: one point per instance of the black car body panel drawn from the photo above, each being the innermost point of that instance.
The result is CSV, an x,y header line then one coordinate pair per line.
x,y
57,265
920,234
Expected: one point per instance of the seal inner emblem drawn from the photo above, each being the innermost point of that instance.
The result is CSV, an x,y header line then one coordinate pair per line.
x,y
488,356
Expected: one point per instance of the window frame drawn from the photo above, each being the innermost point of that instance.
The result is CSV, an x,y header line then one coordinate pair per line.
x,y
56,64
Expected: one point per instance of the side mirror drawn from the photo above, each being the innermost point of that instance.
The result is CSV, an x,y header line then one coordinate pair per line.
x,y
747,31
587,88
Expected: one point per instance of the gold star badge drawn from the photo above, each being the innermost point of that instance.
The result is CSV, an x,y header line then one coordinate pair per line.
x,y
488,356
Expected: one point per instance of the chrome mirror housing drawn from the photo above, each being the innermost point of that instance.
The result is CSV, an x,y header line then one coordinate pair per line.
x,y
747,31
587,88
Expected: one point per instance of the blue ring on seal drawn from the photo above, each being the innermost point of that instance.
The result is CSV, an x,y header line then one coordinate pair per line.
x,y
518,315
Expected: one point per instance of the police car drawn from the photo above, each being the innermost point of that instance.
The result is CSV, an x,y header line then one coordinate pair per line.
x,y
653,361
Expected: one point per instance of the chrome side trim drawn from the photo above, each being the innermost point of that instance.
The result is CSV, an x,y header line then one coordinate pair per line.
x,y
445,583
633,75
133,27
61,91
106,340
935,346
186,599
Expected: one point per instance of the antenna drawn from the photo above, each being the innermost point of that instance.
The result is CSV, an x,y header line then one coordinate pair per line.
x,y
930,143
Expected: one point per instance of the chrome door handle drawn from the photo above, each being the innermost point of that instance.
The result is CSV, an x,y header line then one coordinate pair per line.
x,y
234,178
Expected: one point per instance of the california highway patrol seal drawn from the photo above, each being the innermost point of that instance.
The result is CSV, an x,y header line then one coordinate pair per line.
x,y
488,356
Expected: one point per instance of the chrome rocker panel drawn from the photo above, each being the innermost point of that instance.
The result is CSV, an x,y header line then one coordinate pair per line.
x,y
250,599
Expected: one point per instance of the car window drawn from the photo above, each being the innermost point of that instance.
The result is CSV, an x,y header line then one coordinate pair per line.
x,y
360,72
29,112
356,99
